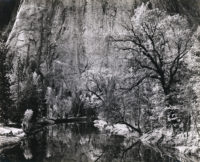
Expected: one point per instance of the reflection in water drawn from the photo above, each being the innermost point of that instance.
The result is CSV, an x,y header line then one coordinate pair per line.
x,y
81,143
27,149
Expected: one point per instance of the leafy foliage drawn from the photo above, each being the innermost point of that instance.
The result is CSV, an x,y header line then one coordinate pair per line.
x,y
155,46
5,100
158,44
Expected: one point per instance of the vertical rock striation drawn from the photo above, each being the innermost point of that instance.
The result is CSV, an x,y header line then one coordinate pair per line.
x,y
57,40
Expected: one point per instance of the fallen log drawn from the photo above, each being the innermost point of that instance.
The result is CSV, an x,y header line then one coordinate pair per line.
x,y
45,122
72,119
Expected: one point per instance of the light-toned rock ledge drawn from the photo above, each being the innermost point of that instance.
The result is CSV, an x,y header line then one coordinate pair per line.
x,y
186,145
9,136
115,129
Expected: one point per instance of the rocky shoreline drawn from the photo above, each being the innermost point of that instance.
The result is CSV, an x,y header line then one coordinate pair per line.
x,y
9,136
159,138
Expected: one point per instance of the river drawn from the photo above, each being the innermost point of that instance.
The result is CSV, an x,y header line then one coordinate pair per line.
x,y
82,143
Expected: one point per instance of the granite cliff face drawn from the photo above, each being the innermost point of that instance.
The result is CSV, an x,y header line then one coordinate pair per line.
x,y
58,40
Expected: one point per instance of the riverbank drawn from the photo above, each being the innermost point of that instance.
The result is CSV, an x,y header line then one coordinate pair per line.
x,y
9,136
184,144
115,129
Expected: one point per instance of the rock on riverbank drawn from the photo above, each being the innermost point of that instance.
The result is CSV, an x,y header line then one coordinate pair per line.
x,y
9,136
115,129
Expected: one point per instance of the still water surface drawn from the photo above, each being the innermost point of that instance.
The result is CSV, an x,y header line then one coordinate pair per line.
x,y
81,143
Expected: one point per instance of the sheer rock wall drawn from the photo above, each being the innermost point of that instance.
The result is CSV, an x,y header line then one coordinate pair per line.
x,y
58,40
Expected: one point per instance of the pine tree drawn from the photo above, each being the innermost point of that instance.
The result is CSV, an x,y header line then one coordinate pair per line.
x,y
5,100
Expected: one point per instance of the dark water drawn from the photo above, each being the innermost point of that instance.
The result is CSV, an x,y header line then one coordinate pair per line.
x,y
81,143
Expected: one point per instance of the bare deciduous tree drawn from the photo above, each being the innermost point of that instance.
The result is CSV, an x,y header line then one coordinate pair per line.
x,y
158,44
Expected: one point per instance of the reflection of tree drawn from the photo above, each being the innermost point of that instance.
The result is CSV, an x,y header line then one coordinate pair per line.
x,y
34,146
27,151
124,152
140,152
69,143
73,143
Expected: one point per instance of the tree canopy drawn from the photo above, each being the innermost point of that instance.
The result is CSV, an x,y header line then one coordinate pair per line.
x,y
157,42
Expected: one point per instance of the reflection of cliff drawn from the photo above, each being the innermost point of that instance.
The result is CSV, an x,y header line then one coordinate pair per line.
x,y
64,143
70,144
82,143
